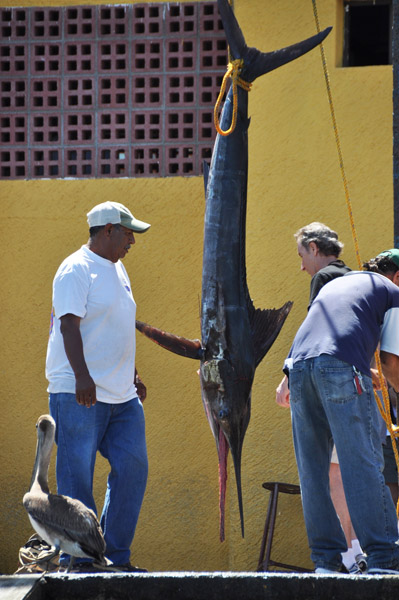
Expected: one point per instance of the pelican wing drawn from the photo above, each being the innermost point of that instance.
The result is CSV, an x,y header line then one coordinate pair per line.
x,y
66,519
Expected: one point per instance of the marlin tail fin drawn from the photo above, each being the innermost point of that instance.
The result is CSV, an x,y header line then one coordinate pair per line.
x,y
257,63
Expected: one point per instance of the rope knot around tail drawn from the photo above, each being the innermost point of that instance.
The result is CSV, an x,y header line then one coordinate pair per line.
x,y
234,69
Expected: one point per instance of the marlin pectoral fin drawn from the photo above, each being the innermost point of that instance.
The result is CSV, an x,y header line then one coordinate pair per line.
x,y
266,325
174,343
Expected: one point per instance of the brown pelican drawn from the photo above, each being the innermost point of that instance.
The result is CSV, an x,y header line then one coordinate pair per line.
x,y
65,523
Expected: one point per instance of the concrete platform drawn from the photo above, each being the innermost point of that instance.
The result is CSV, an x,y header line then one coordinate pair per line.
x,y
198,586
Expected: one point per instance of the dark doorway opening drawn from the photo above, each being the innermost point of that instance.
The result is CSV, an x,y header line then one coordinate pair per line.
x,y
368,33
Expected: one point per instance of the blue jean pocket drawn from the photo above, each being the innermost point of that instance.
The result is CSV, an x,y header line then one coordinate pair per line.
x,y
338,384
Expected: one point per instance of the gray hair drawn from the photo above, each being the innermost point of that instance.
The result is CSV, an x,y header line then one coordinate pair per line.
x,y
93,231
325,238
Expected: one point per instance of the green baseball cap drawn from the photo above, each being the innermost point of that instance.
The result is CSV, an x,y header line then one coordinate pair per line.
x,y
393,254
114,212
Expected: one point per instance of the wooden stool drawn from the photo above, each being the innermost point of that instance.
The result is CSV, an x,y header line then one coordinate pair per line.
x,y
265,550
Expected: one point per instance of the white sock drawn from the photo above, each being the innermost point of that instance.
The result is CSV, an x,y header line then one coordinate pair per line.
x,y
356,547
348,558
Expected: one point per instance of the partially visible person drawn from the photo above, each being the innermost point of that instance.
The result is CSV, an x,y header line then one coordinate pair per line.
x,y
95,392
390,466
319,248
332,400
387,262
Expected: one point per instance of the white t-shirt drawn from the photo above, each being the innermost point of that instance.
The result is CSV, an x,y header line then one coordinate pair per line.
x,y
98,291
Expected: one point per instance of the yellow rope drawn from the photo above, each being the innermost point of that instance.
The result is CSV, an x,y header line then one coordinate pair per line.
x,y
384,406
233,70
337,140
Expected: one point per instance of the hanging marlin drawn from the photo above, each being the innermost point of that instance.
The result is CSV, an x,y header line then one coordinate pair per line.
x,y
234,335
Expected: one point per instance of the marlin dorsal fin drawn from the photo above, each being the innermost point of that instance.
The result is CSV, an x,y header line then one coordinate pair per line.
x,y
266,325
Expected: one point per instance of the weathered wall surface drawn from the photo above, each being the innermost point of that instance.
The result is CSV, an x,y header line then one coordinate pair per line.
x,y
294,178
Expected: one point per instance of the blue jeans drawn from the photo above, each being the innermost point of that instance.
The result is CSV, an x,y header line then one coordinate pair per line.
x,y
117,431
325,407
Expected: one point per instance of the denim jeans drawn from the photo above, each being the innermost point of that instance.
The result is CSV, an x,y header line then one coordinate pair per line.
x,y
326,407
117,431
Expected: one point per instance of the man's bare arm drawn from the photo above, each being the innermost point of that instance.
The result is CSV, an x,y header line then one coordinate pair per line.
x,y
85,386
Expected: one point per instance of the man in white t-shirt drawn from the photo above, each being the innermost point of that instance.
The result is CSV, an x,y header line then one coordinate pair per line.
x,y
95,393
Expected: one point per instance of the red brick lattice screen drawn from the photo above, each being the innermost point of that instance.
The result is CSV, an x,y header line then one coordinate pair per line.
x,y
109,91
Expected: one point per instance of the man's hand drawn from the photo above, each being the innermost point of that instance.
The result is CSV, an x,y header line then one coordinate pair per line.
x,y
283,393
140,387
85,391
376,379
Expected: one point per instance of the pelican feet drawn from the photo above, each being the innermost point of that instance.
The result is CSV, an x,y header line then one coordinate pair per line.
x,y
36,556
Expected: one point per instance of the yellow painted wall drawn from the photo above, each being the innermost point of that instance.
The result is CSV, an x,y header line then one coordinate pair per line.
x,y
294,178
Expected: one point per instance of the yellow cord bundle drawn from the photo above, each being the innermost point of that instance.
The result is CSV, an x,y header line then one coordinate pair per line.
x,y
234,69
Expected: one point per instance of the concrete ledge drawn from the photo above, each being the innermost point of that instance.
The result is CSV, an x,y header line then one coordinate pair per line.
x,y
199,586
17,587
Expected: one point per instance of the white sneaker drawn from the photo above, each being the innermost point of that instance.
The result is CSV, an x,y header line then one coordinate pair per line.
x,y
355,569
381,571
361,560
324,571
